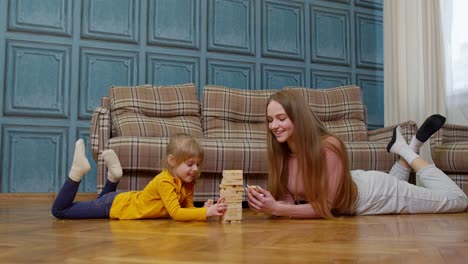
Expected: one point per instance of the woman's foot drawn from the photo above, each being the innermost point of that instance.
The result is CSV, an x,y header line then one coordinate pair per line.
x,y
398,145
431,125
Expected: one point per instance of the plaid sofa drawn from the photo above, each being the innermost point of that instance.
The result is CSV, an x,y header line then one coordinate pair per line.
x,y
137,122
449,150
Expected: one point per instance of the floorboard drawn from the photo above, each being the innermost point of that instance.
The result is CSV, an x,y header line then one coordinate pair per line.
x,y
30,234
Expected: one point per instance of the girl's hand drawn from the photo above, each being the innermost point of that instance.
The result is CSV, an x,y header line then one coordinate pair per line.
x,y
208,203
261,200
217,209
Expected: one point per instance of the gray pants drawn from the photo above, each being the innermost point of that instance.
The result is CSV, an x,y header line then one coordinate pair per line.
x,y
382,193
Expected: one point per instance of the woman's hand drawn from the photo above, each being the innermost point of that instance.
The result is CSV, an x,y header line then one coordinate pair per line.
x,y
261,200
217,209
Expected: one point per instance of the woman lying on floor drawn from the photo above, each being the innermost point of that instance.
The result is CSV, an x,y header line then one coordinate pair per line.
x,y
309,175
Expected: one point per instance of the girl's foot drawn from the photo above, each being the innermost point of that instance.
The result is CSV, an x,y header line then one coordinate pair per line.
x,y
80,165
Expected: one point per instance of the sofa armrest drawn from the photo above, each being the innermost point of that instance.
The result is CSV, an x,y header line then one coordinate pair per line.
x,y
450,134
100,131
408,130
449,149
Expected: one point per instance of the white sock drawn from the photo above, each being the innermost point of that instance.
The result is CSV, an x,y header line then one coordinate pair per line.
x,y
415,144
399,146
80,165
114,169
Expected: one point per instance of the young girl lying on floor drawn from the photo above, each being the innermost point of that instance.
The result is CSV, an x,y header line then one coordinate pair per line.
x,y
169,194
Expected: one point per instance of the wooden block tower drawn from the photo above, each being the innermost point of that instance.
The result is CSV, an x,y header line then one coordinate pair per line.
x,y
232,188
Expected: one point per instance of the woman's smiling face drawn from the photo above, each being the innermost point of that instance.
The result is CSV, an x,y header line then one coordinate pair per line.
x,y
279,122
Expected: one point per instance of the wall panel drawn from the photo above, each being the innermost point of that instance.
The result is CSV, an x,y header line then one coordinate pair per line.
x,y
283,29
369,50
329,79
175,23
121,24
231,26
332,41
277,77
231,74
45,16
100,69
169,69
37,70
32,158
372,88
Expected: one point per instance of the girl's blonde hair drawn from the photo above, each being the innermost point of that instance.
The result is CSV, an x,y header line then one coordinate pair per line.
x,y
310,134
183,147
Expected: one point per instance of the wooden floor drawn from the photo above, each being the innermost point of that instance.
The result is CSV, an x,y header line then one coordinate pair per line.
x,y
30,234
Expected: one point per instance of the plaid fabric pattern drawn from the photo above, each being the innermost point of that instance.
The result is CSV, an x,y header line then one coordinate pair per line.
x,y
230,154
99,135
449,147
341,109
347,129
370,156
106,102
155,111
449,150
408,130
99,132
147,154
229,113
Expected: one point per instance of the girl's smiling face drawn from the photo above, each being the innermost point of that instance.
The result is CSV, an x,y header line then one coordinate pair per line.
x,y
188,170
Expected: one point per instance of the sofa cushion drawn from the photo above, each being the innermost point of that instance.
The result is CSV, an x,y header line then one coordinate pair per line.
x,y
229,113
341,109
449,147
155,111
147,154
451,157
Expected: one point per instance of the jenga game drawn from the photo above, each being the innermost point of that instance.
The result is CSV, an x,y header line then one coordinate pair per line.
x,y
231,188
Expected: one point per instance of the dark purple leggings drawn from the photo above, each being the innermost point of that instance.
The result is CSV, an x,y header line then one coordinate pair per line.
x,y
65,208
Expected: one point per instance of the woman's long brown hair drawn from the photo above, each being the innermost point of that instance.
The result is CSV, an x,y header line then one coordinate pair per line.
x,y
310,134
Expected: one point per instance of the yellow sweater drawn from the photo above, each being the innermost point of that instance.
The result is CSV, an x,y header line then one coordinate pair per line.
x,y
164,196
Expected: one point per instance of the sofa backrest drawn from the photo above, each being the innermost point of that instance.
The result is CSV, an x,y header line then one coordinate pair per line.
x,y
231,113
155,111
341,109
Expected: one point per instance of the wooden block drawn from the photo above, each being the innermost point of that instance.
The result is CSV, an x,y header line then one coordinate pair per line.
x,y
233,174
231,218
225,181
231,191
231,196
232,221
237,188
232,199
237,206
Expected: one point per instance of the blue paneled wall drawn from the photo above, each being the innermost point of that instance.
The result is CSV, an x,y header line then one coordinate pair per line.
x,y
59,57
